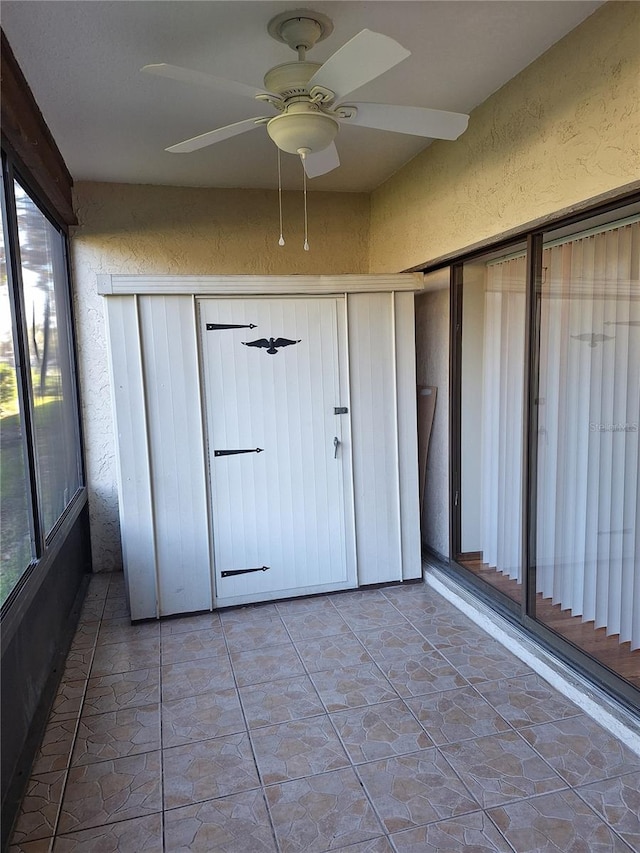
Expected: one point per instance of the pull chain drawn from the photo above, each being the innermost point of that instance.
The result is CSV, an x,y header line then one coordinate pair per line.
x,y
281,240
306,223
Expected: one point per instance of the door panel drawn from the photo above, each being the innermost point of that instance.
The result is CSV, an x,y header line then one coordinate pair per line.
x,y
175,447
375,423
282,507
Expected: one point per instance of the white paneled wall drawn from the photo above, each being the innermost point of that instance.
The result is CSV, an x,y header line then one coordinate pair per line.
x,y
405,349
134,477
178,470
162,485
160,419
374,423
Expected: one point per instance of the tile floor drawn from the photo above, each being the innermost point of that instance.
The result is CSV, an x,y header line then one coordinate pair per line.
x,y
366,722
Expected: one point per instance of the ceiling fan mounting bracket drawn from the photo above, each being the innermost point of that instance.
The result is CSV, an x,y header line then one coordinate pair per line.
x,y
300,28
321,95
346,112
268,98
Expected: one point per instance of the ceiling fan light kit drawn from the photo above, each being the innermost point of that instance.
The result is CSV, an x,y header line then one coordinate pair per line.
x,y
302,130
309,96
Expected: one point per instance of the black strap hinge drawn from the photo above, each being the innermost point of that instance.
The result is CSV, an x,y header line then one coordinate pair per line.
x,y
231,572
235,452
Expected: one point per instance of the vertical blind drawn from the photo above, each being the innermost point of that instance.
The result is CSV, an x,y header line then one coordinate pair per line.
x,y
588,500
503,374
588,537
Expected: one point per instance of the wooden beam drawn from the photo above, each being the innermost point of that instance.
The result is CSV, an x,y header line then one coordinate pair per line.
x,y
27,133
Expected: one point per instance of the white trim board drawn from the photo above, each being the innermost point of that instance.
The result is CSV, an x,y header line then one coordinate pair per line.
x,y
242,285
595,703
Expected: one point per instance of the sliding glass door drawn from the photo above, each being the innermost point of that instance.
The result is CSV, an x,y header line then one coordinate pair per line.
x,y
588,501
577,583
491,405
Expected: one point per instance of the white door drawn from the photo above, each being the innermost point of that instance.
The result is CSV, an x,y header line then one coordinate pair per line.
x,y
279,451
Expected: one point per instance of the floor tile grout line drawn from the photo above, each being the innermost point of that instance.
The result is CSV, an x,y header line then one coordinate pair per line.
x,y
600,816
539,754
366,704
498,830
417,826
161,747
329,714
477,685
251,745
250,731
460,779
568,789
445,652
75,738
497,735
608,776
56,834
77,725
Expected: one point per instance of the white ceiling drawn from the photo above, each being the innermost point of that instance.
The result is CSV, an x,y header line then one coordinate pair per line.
x,y
82,60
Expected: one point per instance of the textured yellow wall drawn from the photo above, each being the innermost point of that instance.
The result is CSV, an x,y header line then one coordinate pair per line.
x,y
130,229
125,228
566,129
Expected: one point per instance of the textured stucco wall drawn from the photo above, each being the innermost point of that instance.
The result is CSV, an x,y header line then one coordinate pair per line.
x,y
565,130
163,230
432,368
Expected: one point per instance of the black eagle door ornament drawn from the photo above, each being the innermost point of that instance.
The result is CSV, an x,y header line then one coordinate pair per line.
x,y
272,345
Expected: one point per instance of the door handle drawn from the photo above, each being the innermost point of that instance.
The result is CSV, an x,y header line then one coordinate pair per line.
x,y
336,445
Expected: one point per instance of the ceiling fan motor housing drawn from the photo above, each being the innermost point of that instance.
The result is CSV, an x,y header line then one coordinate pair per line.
x,y
290,79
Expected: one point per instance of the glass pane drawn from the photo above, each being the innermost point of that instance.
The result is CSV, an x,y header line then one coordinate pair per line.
x,y
15,524
46,305
588,505
493,326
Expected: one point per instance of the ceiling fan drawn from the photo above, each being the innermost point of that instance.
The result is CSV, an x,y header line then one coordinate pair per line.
x,y
310,97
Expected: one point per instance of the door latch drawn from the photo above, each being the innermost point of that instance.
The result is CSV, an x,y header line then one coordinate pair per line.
x,y
340,410
336,445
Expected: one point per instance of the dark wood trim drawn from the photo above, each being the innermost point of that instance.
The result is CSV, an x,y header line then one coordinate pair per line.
x,y
26,131
530,421
521,613
455,409
21,356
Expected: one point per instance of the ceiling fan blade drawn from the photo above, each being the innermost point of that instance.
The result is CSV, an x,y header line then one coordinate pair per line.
x,y
418,121
363,58
320,162
187,75
218,135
